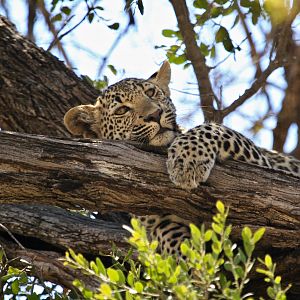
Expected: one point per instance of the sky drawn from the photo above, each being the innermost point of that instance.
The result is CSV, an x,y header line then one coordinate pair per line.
x,y
136,56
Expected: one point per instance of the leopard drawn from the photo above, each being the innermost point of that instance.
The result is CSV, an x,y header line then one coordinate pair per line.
x,y
141,110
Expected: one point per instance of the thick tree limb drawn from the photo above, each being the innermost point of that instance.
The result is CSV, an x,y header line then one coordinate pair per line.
x,y
53,228
36,89
103,176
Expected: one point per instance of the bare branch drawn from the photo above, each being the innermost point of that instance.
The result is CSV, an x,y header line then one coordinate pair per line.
x,y
197,59
46,14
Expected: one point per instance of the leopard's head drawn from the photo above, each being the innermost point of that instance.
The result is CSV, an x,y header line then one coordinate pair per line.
x,y
132,109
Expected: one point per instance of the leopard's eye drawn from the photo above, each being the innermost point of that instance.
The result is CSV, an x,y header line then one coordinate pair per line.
x,y
150,92
122,110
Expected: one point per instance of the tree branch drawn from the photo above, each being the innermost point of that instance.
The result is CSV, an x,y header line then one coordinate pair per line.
x,y
279,61
36,88
56,229
197,59
98,175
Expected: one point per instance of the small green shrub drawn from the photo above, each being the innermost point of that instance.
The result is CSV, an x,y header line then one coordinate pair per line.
x,y
213,268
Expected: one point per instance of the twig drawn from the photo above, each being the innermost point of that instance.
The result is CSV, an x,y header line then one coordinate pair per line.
x,y
254,55
12,236
111,49
256,85
273,65
46,14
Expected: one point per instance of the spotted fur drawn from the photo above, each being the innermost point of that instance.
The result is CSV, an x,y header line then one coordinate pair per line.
x,y
141,110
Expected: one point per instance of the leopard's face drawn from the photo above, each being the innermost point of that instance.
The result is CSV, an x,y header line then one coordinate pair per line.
x,y
136,110
132,109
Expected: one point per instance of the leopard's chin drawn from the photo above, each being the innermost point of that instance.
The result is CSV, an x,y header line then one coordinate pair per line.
x,y
163,138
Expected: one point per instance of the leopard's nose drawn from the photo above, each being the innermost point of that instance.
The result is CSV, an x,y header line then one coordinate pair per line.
x,y
154,117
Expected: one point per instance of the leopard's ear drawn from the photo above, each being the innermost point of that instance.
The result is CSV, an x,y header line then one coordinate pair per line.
x,y
162,77
79,120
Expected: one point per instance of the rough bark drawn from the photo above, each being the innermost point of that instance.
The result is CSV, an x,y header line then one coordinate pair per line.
x,y
102,176
97,175
36,89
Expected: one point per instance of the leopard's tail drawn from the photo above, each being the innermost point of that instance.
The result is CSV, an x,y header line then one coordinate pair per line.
x,y
283,163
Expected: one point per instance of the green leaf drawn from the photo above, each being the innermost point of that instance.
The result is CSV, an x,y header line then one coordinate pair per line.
x,y
216,11
277,279
168,33
15,287
246,234
114,26
245,3
248,248
121,276
217,247
204,49
1,255
94,267
242,255
33,296
208,234
227,43
228,266
213,52
271,293
138,286
91,17
201,4
258,234
217,228
184,248
100,266
265,272
113,275
112,69
239,271
178,59
66,10
221,34
220,207
105,290
56,18
196,234
130,278
128,296
140,6
268,261
221,1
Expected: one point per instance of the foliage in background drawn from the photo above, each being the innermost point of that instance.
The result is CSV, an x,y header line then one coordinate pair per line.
x,y
213,267
18,284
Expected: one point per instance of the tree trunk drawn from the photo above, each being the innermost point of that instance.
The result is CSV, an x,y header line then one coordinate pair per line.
x,y
38,173
36,89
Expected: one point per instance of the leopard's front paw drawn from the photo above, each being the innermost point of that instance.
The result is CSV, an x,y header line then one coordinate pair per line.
x,y
187,168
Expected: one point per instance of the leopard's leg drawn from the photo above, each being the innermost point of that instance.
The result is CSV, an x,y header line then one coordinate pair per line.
x,y
169,230
192,156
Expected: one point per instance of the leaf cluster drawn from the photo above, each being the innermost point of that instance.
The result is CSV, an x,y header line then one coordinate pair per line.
x,y
219,15
211,266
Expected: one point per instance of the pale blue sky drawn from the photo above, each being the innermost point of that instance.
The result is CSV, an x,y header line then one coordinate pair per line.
x,y
137,57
